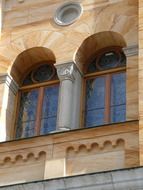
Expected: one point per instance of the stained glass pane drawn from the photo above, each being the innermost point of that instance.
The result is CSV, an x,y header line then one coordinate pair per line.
x,y
108,60
49,112
48,125
123,59
92,67
95,117
118,113
43,73
95,102
28,80
118,90
27,114
28,129
118,97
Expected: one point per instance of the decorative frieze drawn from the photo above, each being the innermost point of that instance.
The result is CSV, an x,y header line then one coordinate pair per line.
x,y
103,146
14,159
75,150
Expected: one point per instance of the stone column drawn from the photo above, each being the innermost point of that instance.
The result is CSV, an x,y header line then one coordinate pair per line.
x,y
8,90
69,96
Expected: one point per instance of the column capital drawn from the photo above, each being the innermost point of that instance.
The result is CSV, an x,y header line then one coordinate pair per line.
x,y
66,71
9,81
131,50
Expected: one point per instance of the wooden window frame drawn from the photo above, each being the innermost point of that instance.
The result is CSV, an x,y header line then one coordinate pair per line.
x,y
27,88
108,74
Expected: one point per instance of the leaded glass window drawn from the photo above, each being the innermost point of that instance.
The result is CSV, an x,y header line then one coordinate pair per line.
x,y
118,97
37,111
42,73
27,113
107,60
105,94
95,90
49,109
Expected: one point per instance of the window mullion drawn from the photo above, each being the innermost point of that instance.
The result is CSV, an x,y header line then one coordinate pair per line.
x,y
107,117
39,111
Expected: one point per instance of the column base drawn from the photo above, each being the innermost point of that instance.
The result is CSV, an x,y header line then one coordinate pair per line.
x,y
60,130
63,129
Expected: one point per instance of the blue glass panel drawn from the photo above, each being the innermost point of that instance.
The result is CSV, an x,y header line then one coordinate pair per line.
x,y
48,125
50,101
118,97
27,112
95,102
95,117
95,93
28,129
118,113
118,91
50,106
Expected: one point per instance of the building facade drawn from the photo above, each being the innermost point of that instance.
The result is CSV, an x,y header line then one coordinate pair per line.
x,y
71,94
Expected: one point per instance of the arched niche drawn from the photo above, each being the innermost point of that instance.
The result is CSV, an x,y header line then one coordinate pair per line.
x,y
28,59
96,42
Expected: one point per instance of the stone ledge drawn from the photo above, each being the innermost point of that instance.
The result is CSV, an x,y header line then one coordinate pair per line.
x,y
131,178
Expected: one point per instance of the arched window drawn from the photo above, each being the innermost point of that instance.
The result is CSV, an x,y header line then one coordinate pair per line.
x,y
37,110
105,88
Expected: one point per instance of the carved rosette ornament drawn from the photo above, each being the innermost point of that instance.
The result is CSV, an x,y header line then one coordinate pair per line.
x,y
66,71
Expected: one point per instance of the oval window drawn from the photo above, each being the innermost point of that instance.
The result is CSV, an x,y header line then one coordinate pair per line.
x,y
68,13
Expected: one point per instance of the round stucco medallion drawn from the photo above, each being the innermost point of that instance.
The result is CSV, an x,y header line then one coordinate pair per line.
x,y
68,13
